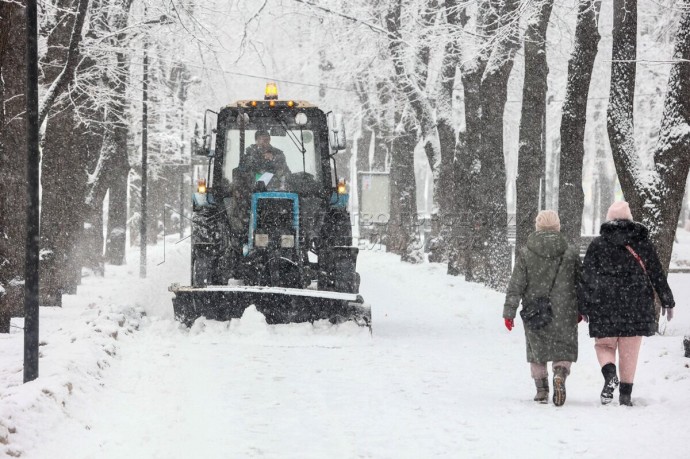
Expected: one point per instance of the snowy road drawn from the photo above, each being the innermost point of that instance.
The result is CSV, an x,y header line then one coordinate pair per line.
x,y
440,377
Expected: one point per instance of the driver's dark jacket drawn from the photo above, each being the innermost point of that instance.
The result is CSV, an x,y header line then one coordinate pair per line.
x,y
255,163
243,180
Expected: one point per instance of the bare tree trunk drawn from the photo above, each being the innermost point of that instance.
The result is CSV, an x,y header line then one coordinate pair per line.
x,y
467,157
65,77
427,16
408,85
115,152
63,180
620,122
531,155
554,167
112,167
404,188
492,262
403,230
655,196
444,187
672,155
606,179
87,243
13,201
574,118
115,245
367,122
63,176
89,249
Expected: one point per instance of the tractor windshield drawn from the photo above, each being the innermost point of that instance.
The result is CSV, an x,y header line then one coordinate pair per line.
x,y
278,151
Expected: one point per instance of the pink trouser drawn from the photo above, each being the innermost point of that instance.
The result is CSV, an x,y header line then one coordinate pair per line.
x,y
539,369
628,350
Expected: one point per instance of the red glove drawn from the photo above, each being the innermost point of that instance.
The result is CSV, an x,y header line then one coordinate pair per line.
x,y
579,318
509,324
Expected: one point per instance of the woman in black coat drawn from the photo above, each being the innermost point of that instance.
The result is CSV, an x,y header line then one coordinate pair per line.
x,y
620,274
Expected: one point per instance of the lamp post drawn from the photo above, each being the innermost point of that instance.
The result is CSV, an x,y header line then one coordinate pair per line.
x,y
31,312
144,162
144,149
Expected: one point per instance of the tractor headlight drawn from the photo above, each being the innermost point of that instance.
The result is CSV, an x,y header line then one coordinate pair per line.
x,y
261,240
342,188
287,241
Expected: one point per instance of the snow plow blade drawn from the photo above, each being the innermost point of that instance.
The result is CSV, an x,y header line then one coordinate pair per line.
x,y
278,305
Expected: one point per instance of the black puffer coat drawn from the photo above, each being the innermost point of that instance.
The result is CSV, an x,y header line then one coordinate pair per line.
x,y
615,292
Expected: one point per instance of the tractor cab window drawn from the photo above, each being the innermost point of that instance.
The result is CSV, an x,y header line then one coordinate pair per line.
x,y
270,154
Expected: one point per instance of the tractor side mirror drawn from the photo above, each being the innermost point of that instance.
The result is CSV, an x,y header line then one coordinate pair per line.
x,y
204,145
337,137
198,148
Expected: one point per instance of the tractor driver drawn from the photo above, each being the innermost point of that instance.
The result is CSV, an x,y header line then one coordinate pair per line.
x,y
264,157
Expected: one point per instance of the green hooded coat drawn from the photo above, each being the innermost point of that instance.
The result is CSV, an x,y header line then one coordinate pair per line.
x,y
534,271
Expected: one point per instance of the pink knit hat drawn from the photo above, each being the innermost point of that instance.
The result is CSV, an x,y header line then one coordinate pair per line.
x,y
619,210
547,220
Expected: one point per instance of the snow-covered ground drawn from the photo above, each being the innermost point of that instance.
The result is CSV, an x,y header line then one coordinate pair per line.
x,y
440,377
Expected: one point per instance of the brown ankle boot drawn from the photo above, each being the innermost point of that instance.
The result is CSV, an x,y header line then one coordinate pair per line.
x,y
559,376
542,390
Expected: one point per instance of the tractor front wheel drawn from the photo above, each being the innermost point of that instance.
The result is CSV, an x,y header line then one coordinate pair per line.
x,y
202,270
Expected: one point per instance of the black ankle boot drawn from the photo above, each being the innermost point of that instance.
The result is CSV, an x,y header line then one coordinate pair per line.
x,y
559,375
625,396
610,383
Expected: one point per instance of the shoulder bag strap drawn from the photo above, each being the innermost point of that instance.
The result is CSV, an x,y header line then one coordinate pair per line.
x,y
637,257
553,283
642,265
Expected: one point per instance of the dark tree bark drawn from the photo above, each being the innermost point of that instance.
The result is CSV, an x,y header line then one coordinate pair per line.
x,y
87,245
444,188
620,122
367,123
606,178
63,175
554,167
672,155
13,201
531,158
427,16
101,135
655,196
491,265
70,53
408,85
467,158
115,151
403,230
574,117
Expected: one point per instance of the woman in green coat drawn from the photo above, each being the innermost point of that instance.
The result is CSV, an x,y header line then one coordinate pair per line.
x,y
547,267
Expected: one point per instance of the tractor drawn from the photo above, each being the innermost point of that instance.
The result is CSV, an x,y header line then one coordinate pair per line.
x,y
270,225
